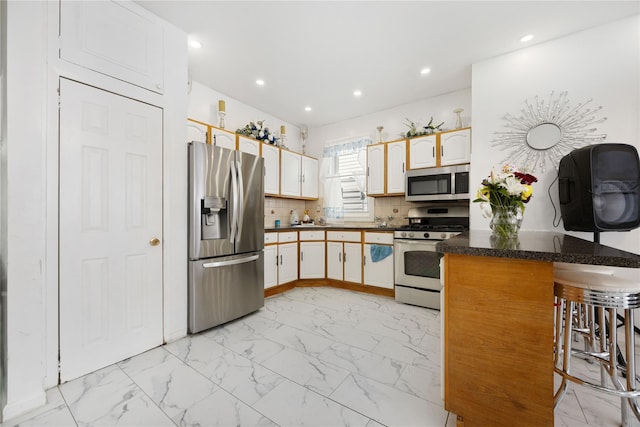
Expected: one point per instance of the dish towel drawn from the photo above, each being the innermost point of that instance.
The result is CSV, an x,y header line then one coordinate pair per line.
x,y
380,252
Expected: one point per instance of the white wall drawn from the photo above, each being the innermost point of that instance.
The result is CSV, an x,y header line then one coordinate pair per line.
x,y
33,71
26,207
203,106
440,107
602,64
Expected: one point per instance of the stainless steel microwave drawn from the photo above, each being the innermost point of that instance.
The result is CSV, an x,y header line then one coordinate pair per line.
x,y
432,184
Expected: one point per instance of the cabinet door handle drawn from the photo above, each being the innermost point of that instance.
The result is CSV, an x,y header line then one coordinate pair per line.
x,y
280,259
433,152
367,170
339,256
301,256
364,260
441,150
344,257
402,167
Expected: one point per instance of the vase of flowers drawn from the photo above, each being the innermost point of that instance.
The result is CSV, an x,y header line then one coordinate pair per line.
x,y
502,196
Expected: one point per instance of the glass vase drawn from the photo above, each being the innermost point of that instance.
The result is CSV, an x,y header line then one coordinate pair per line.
x,y
506,222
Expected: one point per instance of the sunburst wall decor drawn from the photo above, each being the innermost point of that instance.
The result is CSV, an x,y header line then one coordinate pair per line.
x,y
547,130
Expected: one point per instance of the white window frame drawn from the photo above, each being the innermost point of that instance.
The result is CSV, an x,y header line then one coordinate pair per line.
x,y
363,216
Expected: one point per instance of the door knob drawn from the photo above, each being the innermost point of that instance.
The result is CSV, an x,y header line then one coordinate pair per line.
x,y
154,242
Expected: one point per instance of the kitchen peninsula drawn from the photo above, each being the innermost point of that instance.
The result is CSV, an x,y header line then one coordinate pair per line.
x,y
499,323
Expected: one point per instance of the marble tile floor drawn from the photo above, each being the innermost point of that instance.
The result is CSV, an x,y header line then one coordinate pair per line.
x,y
311,356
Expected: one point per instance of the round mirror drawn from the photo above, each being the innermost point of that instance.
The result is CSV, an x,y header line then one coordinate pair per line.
x,y
544,136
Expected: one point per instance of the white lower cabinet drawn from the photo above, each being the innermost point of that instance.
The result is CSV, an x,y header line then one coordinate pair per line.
x,y
334,260
312,260
280,258
378,260
344,256
352,262
287,263
312,249
378,273
270,266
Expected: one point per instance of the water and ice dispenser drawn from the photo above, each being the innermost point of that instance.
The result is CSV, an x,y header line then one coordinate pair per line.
x,y
214,218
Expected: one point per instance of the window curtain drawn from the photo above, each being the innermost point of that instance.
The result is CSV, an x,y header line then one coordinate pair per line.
x,y
330,175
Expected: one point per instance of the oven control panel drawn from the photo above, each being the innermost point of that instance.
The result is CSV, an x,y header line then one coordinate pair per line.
x,y
424,235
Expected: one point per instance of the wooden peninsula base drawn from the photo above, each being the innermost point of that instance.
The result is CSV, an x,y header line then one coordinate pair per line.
x,y
498,341
498,323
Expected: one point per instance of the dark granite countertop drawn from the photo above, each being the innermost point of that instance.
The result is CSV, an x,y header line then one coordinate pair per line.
x,y
539,246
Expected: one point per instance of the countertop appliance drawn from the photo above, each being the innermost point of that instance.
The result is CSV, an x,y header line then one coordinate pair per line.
x,y
437,184
417,264
226,235
294,219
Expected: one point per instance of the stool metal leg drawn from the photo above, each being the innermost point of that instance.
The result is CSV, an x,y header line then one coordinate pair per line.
x,y
603,343
558,335
566,351
630,352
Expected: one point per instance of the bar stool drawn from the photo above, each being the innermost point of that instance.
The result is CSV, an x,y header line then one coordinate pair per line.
x,y
583,298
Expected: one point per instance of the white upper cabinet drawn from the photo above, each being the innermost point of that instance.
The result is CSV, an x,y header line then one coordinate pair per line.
x,y
118,39
196,132
422,152
290,164
396,164
309,178
455,147
223,138
298,175
375,169
271,155
248,145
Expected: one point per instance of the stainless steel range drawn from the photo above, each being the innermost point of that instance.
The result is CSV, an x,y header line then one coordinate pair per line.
x,y
417,264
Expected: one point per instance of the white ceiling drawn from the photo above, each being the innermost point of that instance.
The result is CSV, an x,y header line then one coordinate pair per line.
x,y
317,53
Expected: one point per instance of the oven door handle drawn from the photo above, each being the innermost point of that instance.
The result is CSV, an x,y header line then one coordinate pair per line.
x,y
427,244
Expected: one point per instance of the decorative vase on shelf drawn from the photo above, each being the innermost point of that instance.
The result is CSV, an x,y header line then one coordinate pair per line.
x,y
379,128
505,222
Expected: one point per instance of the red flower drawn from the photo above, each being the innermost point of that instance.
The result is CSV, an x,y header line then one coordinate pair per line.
x,y
525,178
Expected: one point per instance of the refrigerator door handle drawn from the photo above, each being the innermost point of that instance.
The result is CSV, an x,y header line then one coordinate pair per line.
x,y
230,262
234,189
240,214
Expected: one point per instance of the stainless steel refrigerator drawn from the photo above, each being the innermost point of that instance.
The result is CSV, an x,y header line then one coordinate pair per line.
x,y
226,235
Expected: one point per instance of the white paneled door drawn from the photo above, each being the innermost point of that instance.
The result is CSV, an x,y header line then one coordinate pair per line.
x,y
110,228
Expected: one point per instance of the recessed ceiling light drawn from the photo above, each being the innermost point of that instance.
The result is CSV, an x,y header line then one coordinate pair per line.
x,y
357,93
425,71
195,44
260,82
307,108
526,38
